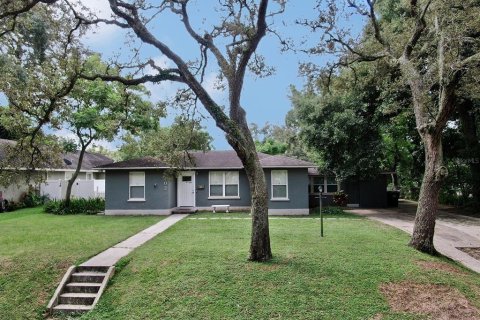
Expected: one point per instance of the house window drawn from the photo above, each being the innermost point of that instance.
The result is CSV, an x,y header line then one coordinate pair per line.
x,y
328,184
89,176
137,185
331,184
224,184
318,184
279,184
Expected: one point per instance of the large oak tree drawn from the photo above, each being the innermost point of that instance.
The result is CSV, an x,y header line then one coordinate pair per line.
x,y
434,43
232,42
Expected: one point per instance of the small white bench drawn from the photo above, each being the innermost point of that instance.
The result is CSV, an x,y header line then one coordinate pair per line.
x,y
221,206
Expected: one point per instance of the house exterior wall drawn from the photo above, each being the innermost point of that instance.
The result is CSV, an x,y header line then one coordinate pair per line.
x,y
56,175
297,190
371,193
160,193
161,199
60,175
99,175
202,194
14,191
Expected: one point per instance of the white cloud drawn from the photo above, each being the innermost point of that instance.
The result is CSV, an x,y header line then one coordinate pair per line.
x,y
214,88
103,32
161,62
100,7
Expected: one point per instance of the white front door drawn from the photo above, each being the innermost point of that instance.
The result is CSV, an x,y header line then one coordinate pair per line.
x,y
186,189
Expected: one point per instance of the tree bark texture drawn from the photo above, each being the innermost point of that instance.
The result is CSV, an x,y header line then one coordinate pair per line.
x,y
260,249
424,228
68,193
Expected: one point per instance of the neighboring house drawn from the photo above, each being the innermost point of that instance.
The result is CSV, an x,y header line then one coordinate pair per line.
x,y
51,180
366,193
90,182
140,186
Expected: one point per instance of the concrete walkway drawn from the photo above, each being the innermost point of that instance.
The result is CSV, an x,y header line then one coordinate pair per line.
x,y
451,230
111,256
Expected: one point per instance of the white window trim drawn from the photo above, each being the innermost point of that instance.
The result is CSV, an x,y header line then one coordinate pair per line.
x,y
324,185
130,199
223,186
271,186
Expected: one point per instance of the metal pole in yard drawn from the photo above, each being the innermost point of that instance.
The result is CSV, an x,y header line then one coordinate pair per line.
x,y
321,214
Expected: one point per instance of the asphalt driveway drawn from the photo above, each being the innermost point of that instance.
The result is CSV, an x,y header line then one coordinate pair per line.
x,y
452,231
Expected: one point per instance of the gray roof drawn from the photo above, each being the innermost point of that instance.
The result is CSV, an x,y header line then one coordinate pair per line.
x,y
226,159
69,160
90,161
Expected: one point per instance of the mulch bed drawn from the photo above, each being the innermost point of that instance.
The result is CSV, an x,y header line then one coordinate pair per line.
x,y
472,251
437,301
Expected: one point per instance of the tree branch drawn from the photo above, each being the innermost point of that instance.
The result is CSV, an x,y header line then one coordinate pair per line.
x,y
206,41
135,23
420,26
134,81
25,8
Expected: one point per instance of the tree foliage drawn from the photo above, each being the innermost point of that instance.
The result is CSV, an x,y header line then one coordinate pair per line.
x,y
435,44
98,110
168,143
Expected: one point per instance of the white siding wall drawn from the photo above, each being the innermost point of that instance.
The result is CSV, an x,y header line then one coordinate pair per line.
x,y
81,189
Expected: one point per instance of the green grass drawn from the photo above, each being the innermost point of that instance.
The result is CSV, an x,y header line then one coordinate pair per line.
x,y
327,213
198,269
37,248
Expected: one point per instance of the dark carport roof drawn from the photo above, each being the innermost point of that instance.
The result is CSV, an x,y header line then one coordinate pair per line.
x,y
227,159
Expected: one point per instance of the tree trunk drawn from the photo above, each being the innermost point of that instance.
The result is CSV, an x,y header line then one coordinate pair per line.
x,y
68,193
472,146
424,228
396,183
260,249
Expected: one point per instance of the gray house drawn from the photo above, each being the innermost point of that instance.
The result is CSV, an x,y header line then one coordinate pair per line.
x,y
364,193
212,178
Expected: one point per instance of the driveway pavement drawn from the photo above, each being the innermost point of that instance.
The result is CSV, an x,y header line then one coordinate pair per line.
x,y
451,230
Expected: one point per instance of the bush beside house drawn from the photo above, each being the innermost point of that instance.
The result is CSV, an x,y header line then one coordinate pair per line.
x,y
77,206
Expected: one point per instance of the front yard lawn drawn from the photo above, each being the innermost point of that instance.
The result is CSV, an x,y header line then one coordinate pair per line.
x,y
198,270
37,248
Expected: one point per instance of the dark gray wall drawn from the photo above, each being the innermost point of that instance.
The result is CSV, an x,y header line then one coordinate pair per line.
x,y
116,191
161,197
297,190
201,179
370,193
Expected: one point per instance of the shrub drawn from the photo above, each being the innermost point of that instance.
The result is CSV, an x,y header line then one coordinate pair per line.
x,y
332,210
340,199
32,199
12,205
77,206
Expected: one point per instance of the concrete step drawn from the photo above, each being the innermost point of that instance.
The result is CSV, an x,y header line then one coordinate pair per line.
x,y
184,210
71,308
92,269
96,277
82,287
77,298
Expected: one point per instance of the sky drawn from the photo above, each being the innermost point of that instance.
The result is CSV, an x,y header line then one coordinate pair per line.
x,y
266,100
